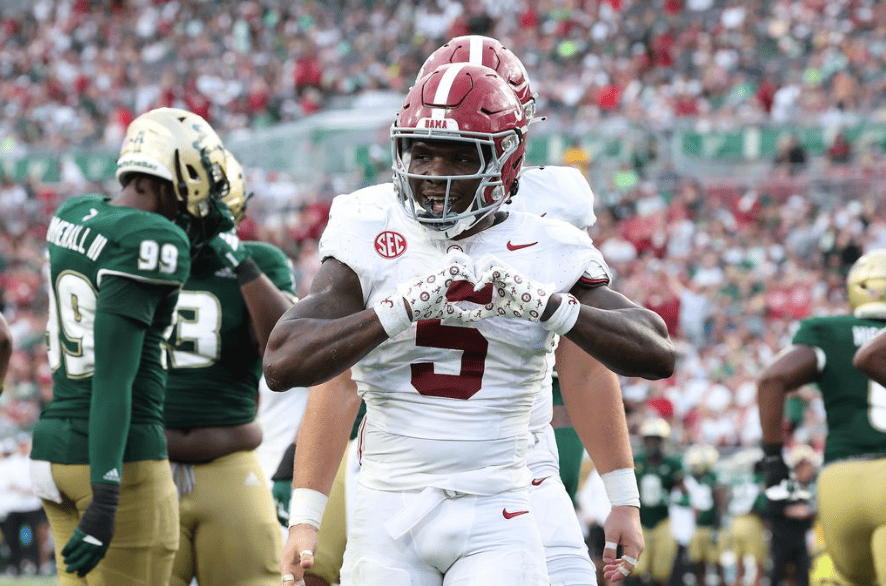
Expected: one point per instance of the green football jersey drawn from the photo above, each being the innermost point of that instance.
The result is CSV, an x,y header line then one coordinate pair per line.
x,y
746,495
655,484
90,239
702,499
569,447
215,366
855,405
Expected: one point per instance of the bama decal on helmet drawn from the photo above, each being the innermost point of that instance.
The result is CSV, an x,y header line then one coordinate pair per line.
x,y
438,123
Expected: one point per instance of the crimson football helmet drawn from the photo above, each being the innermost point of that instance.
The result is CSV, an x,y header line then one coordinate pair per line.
x,y
464,103
480,50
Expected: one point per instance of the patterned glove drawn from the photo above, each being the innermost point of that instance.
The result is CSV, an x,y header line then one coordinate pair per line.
x,y
91,538
513,295
425,297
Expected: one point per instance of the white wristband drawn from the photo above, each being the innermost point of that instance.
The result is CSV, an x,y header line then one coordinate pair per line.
x,y
621,487
393,316
306,506
565,316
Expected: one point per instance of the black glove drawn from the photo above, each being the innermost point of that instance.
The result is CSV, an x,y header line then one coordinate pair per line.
x,y
220,218
91,538
774,468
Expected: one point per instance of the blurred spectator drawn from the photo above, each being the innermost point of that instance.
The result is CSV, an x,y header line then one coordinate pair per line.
x,y
791,157
22,520
63,81
577,156
840,151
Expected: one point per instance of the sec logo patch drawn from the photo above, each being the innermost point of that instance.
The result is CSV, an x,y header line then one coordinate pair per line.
x,y
390,244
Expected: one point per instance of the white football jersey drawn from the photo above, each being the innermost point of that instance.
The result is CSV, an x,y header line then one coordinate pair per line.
x,y
448,405
561,193
556,192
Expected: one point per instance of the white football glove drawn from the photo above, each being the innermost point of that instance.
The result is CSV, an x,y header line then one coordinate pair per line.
x,y
513,295
425,297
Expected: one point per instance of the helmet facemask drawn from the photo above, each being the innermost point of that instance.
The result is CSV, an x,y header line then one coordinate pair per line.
x,y
237,198
494,152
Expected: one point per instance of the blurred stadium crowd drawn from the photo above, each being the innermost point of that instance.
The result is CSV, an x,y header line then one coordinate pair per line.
x,y
77,71
730,264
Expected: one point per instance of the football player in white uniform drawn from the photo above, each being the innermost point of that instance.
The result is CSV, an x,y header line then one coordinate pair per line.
x,y
450,344
541,191
590,390
555,192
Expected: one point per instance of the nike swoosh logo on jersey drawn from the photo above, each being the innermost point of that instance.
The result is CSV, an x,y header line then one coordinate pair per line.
x,y
92,213
508,515
519,246
538,481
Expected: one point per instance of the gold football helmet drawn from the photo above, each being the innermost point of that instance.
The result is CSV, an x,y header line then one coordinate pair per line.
x,y
655,427
237,197
866,285
802,452
181,147
701,458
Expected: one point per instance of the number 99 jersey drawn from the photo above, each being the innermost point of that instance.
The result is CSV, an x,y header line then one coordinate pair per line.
x,y
90,240
448,406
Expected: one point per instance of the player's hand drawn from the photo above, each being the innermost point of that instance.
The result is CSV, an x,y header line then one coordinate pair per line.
x,y
282,492
228,247
298,554
219,219
622,528
513,295
93,534
774,468
426,297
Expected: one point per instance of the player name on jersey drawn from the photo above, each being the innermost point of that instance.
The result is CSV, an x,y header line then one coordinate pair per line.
x,y
73,237
861,334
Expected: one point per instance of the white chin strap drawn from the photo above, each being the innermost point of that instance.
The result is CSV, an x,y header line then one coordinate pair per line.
x,y
451,232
